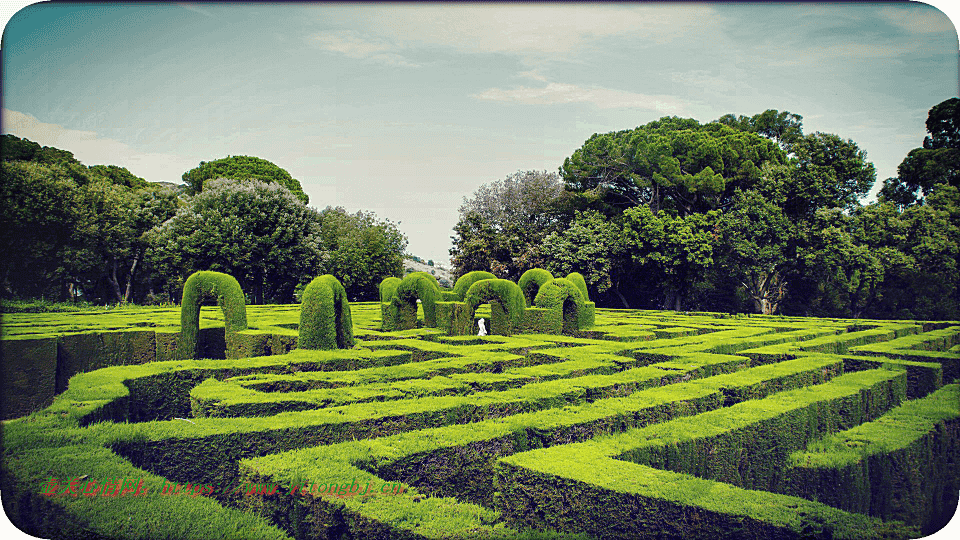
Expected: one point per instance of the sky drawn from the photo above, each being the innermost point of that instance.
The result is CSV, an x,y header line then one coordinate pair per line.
x,y
405,109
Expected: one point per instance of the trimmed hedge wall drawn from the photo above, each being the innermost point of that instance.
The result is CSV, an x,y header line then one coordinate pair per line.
x,y
229,297
325,320
531,281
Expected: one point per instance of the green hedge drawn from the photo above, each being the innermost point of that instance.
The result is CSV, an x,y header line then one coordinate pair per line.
x,y
577,279
422,286
506,301
467,280
325,320
531,281
554,295
229,297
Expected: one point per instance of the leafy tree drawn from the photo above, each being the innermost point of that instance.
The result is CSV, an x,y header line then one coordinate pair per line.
x,y
241,168
17,149
838,275
592,246
784,127
829,173
258,232
936,163
38,220
503,224
361,251
670,164
755,243
675,251
118,175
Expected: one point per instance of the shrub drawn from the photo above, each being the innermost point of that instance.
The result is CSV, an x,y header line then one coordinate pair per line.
x,y
325,319
467,280
530,283
229,296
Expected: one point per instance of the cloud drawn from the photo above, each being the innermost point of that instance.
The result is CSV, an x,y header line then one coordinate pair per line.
x,y
522,29
353,45
196,9
90,149
604,98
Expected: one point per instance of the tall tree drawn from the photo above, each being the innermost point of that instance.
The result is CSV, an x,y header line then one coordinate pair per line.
x,y
242,168
671,164
503,223
259,233
936,163
755,245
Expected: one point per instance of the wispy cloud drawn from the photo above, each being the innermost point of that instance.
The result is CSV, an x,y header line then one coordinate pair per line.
x,y
604,98
196,9
355,45
94,150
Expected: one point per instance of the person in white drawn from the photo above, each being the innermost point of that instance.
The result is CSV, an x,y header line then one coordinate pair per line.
x,y
483,328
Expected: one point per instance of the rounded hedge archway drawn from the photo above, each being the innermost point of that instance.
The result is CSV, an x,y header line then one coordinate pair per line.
x,y
389,304
325,318
506,302
418,286
207,284
563,295
531,281
467,280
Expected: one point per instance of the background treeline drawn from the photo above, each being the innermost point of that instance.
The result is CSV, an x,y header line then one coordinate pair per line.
x,y
103,235
737,215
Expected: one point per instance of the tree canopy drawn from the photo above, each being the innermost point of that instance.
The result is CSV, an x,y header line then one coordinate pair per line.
x,y
242,168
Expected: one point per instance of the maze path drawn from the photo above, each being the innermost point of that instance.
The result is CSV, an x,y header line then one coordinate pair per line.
x,y
653,423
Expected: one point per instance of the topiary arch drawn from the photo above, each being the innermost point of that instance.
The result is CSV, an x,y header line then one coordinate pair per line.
x,y
506,303
390,304
206,284
562,295
467,280
325,319
417,286
530,283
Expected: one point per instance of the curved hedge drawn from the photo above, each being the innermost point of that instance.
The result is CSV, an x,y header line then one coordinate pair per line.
x,y
388,288
325,319
422,286
553,295
498,292
467,280
577,279
230,298
530,283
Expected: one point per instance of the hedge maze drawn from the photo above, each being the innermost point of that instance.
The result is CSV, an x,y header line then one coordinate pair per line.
x,y
566,421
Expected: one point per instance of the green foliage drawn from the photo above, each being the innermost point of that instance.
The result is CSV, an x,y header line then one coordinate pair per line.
x,y
419,286
592,246
755,236
16,149
502,225
531,280
118,175
672,163
830,173
228,295
467,280
242,168
325,318
936,163
361,250
577,279
258,232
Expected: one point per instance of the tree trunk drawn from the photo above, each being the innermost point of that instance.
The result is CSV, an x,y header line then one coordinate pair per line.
x,y
623,300
133,272
114,283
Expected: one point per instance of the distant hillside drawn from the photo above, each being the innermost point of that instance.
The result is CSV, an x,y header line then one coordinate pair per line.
x,y
443,275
